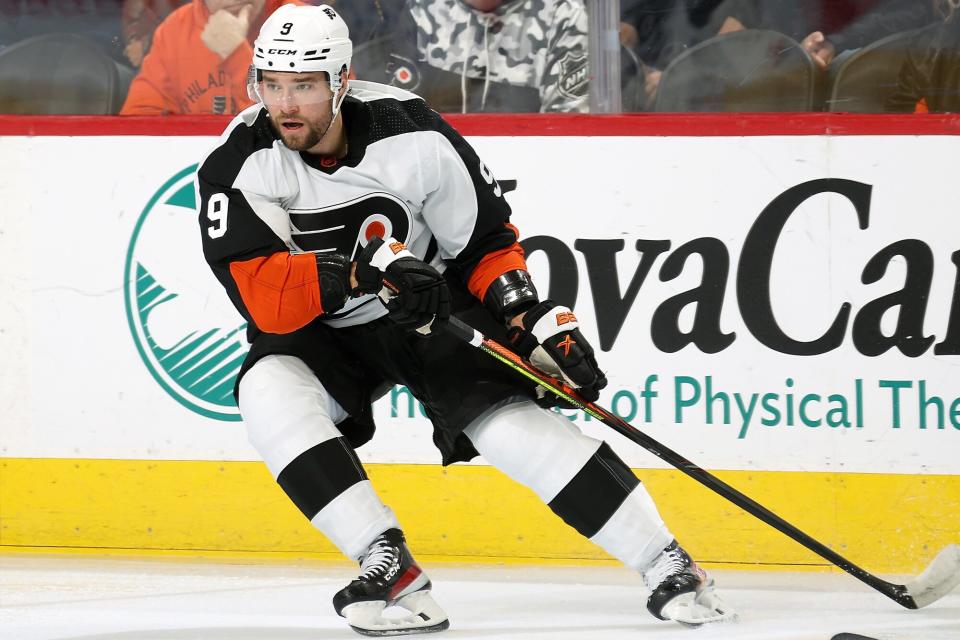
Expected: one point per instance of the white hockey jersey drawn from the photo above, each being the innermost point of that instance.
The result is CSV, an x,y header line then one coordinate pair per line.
x,y
265,210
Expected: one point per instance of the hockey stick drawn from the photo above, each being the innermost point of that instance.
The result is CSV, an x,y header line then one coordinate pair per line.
x,y
939,578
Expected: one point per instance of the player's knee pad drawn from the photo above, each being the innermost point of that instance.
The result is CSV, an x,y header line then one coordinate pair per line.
x,y
286,410
535,447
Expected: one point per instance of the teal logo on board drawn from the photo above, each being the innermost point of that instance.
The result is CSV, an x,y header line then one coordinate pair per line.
x,y
187,333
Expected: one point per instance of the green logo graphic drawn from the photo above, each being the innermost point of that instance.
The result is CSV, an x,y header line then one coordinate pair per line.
x,y
186,331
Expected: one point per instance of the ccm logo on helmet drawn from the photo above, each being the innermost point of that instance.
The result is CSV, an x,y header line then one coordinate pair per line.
x,y
283,52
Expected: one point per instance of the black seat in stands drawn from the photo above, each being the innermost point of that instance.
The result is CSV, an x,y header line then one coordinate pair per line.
x,y
863,82
751,70
58,73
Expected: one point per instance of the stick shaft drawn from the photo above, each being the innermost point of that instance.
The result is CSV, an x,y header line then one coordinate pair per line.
x,y
897,593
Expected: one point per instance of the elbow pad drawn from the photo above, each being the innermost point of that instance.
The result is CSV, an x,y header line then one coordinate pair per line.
x,y
510,294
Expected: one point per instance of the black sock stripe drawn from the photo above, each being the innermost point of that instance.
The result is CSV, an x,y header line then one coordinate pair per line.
x,y
320,474
595,493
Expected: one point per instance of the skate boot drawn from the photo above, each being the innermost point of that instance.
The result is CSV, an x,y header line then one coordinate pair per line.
x,y
682,591
389,576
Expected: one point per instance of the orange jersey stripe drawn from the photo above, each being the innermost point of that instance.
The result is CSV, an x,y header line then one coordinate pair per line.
x,y
281,291
496,264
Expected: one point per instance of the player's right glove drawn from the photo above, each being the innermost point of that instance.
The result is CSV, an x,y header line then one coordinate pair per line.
x,y
551,341
416,294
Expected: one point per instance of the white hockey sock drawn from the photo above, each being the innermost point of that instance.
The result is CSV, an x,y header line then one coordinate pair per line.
x,y
635,534
354,519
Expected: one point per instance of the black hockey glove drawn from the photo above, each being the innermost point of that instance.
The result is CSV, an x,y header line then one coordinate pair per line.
x,y
333,275
415,293
551,341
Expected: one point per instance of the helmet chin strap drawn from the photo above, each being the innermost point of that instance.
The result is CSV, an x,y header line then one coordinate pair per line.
x,y
336,114
337,101
338,96
335,107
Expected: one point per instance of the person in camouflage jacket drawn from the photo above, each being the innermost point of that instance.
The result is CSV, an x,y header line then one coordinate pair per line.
x,y
487,55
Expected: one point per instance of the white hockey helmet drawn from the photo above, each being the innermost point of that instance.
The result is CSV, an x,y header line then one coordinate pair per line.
x,y
303,39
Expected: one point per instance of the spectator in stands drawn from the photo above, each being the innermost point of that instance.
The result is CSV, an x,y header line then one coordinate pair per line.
x,y
490,55
367,19
139,20
659,30
929,79
826,29
199,58
885,18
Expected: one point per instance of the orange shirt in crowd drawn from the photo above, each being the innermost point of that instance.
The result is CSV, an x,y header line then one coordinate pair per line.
x,y
181,75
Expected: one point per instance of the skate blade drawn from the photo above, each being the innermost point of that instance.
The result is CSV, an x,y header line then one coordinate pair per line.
x,y
426,616
406,631
697,609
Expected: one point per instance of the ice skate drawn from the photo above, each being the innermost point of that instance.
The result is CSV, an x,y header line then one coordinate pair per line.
x,y
683,592
389,576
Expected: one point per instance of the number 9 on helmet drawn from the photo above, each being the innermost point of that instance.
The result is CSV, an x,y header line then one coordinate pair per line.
x,y
302,39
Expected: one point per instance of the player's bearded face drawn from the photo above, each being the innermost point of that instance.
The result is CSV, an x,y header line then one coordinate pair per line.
x,y
300,106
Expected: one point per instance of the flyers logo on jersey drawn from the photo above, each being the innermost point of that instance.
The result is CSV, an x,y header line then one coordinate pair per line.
x,y
565,317
346,227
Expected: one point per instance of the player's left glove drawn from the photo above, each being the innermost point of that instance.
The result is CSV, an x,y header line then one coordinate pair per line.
x,y
551,340
416,294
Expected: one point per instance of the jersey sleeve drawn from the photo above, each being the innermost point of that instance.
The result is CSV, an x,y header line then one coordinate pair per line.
x,y
245,237
468,215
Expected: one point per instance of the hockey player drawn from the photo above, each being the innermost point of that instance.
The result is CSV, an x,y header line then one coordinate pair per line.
x,y
317,199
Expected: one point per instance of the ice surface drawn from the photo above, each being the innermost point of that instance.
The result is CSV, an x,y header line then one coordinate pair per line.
x,y
73,598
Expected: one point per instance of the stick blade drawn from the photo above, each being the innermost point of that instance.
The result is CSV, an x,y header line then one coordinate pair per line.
x,y
938,579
